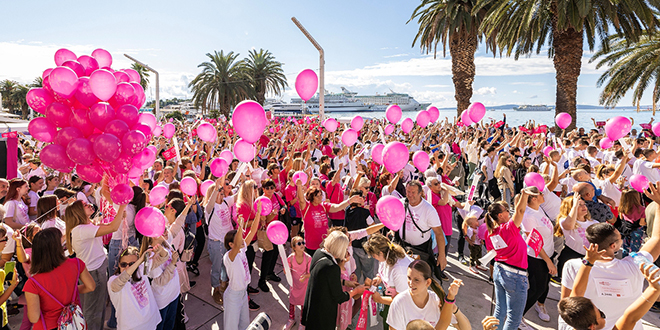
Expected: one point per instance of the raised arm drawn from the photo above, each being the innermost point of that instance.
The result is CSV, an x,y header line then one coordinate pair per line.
x,y
643,304
582,278
571,219
652,246
178,223
112,227
521,205
341,206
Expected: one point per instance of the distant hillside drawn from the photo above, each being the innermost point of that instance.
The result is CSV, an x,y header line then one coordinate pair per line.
x,y
579,106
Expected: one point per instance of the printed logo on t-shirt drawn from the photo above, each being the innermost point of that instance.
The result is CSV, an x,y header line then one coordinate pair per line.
x,y
320,220
409,221
583,233
247,271
546,222
139,291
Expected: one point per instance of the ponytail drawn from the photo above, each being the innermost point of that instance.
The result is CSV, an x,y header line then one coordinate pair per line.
x,y
490,223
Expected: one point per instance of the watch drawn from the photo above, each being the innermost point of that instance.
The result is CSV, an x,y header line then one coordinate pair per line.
x,y
587,263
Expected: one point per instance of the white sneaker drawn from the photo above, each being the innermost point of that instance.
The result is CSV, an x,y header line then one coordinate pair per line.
x,y
524,326
543,314
290,324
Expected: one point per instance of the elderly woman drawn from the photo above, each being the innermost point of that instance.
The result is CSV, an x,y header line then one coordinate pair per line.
x,y
324,290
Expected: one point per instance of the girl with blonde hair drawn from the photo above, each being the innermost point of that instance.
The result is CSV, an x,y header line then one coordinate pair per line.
x,y
573,220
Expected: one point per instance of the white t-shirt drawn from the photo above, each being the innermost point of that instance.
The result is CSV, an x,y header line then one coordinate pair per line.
x,y
87,246
34,198
487,162
551,204
167,293
135,304
237,270
610,190
537,219
386,192
646,169
396,276
403,310
17,210
129,217
622,277
576,239
425,217
163,183
220,221
54,222
10,246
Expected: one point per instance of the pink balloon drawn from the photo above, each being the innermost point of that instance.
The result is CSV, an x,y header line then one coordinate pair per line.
x,y
204,187
158,195
266,205
639,182
103,84
219,167
465,117
62,55
563,120
423,118
605,143
331,124
547,150
80,120
434,114
46,73
128,114
357,122
277,232
63,81
227,156
122,164
244,150
476,111
81,151
395,156
144,129
389,129
150,221
148,119
133,142
533,179
145,158
391,212
407,125
158,131
393,113
124,93
121,77
66,135
133,75
117,128
46,84
134,172
42,129
84,93
207,132
101,114
107,147
300,175
617,127
249,120
103,57
189,186
38,99
421,160
349,137
90,173
54,156
307,82
377,153
169,130
89,63
58,114
75,66
139,95
656,129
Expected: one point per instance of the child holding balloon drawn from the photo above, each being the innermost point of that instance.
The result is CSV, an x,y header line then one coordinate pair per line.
x,y
299,262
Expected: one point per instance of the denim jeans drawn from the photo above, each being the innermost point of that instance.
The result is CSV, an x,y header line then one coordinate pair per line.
x,y
216,252
506,196
168,315
93,303
510,295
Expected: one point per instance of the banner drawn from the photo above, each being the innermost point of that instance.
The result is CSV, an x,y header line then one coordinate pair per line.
x,y
535,241
169,153
364,311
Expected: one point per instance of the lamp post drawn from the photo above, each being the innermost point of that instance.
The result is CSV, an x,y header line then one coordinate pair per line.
x,y
157,107
321,64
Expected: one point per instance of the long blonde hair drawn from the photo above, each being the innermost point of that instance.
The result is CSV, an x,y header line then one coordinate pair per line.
x,y
564,210
74,215
501,163
298,164
246,193
629,201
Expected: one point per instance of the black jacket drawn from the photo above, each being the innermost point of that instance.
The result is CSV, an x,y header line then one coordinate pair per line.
x,y
324,293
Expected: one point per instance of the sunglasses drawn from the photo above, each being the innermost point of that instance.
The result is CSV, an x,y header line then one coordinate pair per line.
x,y
126,264
270,188
302,243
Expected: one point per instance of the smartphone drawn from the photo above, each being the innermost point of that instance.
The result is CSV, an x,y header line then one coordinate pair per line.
x,y
9,266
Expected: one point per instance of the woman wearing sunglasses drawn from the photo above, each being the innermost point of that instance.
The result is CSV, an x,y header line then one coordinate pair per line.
x,y
269,258
131,293
299,262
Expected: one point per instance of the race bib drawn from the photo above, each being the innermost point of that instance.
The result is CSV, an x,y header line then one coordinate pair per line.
x,y
498,242
607,288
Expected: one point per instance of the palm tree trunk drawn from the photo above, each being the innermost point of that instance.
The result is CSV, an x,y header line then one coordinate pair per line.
x,y
462,48
655,95
568,61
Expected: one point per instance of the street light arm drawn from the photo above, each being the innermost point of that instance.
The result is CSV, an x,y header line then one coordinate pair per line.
x,y
321,64
157,101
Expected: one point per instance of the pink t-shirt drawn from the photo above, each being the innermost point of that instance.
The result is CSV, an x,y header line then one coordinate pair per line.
x,y
637,213
291,194
515,252
335,195
444,212
316,223
248,215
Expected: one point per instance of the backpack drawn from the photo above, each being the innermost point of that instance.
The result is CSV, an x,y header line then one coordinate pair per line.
x,y
71,317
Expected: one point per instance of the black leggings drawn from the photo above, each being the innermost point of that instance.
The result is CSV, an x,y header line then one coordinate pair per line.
x,y
566,255
268,261
539,278
201,241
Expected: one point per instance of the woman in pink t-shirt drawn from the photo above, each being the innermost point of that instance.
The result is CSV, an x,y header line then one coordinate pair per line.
x,y
510,273
315,214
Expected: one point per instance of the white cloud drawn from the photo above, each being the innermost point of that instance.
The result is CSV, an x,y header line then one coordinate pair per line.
x,y
486,91
437,86
515,92
396,55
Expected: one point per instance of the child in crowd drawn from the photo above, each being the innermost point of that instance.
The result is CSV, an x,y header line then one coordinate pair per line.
x,y
633,221
299,262
470,230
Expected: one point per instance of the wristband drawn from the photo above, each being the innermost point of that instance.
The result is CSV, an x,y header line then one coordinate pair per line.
x,y
450,301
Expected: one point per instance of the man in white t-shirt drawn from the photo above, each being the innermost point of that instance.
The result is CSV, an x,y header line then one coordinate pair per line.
x,y
617,283
647,166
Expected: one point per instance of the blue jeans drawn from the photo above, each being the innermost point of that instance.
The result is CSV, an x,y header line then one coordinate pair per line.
x,y
506,196
510,295
218,272
168,315
114,249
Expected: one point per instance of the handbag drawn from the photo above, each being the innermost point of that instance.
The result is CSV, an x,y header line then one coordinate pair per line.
x,y
188,246
262,239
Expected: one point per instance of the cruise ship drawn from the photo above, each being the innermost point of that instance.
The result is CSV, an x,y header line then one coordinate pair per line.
x,y
380,102
527,107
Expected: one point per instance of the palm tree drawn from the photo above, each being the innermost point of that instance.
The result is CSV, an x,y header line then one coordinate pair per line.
x,y
454,23
222,83
631,66
18,98
265,74
524,26
6,88
144,74
38,82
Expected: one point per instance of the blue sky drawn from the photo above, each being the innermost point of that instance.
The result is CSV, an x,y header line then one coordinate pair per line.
x,y
368,46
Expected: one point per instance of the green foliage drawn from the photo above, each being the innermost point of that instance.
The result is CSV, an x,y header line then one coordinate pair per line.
x,y
144,74
176,115
265,74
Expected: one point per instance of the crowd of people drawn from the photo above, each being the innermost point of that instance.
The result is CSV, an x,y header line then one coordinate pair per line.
x,y
68,249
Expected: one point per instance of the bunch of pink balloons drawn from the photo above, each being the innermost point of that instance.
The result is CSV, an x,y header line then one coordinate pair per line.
x,y
473,114
92,121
